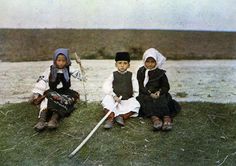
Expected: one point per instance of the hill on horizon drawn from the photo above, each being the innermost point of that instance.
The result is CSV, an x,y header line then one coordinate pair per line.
x,y
39,44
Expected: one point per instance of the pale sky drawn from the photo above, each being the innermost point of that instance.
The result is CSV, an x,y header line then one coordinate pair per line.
x,y
219,15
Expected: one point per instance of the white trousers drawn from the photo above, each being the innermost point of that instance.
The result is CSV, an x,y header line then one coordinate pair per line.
x,y
123,107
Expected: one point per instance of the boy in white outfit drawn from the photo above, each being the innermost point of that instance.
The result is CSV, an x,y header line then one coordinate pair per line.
x,y
121,83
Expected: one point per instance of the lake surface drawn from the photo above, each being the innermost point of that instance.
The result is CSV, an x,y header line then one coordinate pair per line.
x,y
190,80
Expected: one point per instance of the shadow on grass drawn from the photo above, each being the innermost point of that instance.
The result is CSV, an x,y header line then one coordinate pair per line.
x,y
203,134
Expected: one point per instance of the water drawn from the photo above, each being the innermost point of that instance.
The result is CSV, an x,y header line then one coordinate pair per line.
x,y
200,80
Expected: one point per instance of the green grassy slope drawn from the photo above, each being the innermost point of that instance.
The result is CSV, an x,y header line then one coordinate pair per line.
x,y
203,134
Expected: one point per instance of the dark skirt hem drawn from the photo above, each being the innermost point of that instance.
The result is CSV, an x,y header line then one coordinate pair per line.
x,y
62,102
164,106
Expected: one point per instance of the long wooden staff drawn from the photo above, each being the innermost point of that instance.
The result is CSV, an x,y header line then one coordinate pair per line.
x,y
93,131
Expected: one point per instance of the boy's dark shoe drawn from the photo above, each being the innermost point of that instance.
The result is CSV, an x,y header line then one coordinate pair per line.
x,y
109,122
53,123
120,120
41,125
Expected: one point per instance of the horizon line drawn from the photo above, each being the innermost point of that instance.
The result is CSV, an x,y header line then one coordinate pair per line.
x,y
147,29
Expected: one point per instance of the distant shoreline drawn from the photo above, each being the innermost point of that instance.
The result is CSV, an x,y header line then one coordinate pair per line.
x,y
114,29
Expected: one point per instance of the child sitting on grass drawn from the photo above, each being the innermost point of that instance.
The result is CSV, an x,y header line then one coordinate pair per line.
x,y
156,102
120,83
52,91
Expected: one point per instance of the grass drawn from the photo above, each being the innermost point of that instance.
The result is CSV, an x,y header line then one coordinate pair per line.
x,y
203,134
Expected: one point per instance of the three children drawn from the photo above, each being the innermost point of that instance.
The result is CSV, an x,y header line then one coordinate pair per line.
x,y
150,87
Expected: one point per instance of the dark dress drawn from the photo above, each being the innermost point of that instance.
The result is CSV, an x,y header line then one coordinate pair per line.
x,y
61,100
164,105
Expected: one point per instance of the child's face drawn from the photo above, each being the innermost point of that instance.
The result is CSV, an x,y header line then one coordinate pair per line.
x,y
150,63
122,65
61,61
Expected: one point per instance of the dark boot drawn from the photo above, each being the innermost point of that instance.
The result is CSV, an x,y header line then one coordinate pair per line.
x,y
157,123
121,118
167,126
110,120
41,125
54,121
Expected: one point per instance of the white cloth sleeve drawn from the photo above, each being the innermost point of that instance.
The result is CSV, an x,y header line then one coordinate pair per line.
x,y
45,75
135,85
42,83
75,73
107,86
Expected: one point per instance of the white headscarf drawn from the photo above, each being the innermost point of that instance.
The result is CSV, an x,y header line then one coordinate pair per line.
x,y
157,56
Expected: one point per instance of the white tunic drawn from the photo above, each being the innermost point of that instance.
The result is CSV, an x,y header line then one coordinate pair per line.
x,y
124,106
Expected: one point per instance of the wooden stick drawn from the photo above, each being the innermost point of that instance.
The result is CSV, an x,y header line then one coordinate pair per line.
x,y
93,131
78,61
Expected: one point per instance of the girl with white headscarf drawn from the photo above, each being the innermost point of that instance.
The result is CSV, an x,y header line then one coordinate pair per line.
x,y
156,102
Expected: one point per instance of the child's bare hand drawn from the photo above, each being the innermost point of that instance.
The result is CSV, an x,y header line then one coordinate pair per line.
x,y
117,99
36,98
35,95
154,95
158,93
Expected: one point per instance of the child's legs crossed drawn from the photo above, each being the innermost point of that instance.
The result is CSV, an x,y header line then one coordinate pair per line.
x,y
133,106
108,102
